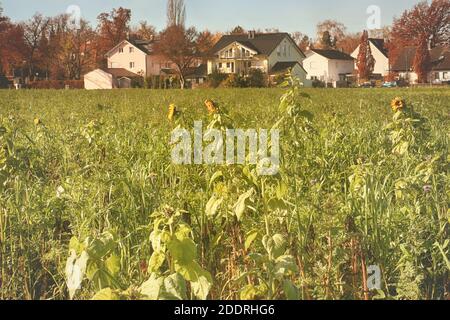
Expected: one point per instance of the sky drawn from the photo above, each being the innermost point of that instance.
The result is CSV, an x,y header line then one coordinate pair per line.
x,y
223,15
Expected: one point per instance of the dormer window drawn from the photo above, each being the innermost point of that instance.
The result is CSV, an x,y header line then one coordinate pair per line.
x,y
120,50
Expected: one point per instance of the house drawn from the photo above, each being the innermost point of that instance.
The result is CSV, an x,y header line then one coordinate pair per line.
x,y
380,55
137,56
196,76
440,65
329,66
109,79
272,53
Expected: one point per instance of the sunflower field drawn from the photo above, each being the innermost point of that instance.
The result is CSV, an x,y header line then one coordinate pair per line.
x,y
92,207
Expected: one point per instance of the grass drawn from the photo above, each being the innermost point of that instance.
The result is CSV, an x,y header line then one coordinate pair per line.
x,y
91,172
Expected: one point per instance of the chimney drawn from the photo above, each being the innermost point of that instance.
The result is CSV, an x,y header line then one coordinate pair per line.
x,y
251,34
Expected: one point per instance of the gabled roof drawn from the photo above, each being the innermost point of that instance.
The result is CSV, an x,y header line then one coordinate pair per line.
x,y
197,72
263,43
121,73
282,67
440,59
379,44
145,46
333,54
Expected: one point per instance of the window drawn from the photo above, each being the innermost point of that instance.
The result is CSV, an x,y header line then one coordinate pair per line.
x,y
445,75
131,65
131,49
228,65
220,65
120,50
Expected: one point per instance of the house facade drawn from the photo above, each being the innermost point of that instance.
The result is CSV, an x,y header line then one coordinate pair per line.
x,y
440,65
268,52
380,55
329,66
137,57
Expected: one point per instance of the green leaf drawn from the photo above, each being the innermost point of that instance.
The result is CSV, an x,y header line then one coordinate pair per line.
x,y
216,175
282,190
213,205
101,246
106,294
241,204
174,288
290,290
156,261
183,251
151,288
251,292
201,287
285,265
251,236
113,265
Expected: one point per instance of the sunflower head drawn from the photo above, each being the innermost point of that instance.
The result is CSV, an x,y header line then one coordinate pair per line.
x,y
37,121
398,104
172,112
210,105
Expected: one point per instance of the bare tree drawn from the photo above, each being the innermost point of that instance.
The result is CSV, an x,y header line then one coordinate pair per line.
x,y
34,31
176,13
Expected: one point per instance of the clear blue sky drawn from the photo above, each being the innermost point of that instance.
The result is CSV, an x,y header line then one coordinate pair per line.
x,y
223,15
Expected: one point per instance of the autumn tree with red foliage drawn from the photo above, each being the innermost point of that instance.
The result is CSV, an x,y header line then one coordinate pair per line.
x,y
12,45
113,27
179,45
422,61
365,62
424,20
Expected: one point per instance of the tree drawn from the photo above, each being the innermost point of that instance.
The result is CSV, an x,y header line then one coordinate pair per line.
x,y
205,42
144,31
237,30
34,32
329,32
302,40
424,20
349,43
326,42
113,28
422,61
178,45
365,62
12,46
176,13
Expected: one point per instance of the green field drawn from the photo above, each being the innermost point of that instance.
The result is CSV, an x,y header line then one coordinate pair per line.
x,y
89,194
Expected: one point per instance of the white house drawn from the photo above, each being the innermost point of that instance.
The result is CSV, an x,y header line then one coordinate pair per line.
x,y
329,66
380,55
109,79
138,57
272,53
440,65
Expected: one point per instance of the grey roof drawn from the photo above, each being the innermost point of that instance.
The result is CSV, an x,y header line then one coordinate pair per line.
x,y
379,44
144,45
120,73
281,67
197,72
262,43
333,54
440,59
